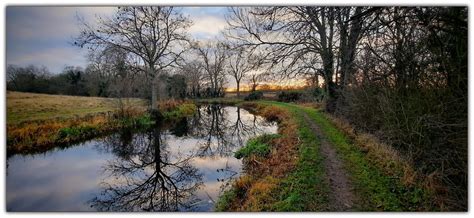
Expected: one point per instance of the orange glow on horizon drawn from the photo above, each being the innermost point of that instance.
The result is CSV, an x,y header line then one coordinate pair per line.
x,y
269,87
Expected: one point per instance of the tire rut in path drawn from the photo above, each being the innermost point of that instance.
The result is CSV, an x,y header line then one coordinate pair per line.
x,y
341,196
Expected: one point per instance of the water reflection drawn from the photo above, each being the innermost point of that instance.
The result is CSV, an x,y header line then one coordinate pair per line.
x,y
224,129
148,180
184,166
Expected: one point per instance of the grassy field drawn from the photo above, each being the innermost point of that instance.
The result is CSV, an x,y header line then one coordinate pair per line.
x,y
23,106
39,122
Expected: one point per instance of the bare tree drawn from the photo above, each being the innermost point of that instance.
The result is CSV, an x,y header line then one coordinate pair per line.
x,y
27,79
289,35
213,57
155,34
194,73
254,79
240,63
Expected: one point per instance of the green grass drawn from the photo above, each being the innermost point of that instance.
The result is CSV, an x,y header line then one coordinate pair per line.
x,y
70,133
226,199
41,135
183,110
305,188
378,192
258,146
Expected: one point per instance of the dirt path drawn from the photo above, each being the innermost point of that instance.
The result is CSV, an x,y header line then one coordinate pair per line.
x,y
341,196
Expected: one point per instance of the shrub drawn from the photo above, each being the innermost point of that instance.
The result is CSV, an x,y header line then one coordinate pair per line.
x,y
317,94
183,110
255,95
274,113
290,96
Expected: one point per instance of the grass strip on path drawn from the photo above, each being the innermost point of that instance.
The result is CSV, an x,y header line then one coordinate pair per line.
x,y
304,188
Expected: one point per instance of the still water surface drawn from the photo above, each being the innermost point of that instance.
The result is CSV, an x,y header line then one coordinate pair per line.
x,y
182,167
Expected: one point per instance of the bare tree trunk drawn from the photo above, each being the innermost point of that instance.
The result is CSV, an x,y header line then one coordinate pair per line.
x,y
317,81
154,94
330,85
349,49
238,88
154,99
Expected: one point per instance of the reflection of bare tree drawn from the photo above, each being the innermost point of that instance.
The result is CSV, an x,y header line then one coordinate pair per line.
x,y
180,128
241,130
149,180
121,144
222,130
212,128
228,175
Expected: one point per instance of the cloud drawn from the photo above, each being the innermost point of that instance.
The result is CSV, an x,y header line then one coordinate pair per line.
x,y
207,26
55,58
42,35
45,23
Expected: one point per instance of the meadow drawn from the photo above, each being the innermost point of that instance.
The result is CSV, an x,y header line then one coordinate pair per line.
x,y
23,106
40,122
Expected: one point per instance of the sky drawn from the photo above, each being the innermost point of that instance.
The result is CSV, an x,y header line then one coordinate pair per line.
x,y
43,36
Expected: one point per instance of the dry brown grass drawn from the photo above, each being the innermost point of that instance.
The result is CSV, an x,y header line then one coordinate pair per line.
x,y
39,135
34,120
169,105
263,175
22,106
260,194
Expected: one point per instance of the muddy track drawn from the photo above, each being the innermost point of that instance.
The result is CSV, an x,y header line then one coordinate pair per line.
x,y
341,196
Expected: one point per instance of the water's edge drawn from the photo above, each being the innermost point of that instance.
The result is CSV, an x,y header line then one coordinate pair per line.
x,y
182,168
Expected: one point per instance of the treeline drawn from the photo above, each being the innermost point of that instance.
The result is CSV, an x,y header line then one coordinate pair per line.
x,y
72,81
90,81
397,72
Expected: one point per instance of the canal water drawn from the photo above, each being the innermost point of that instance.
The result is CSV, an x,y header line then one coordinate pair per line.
x,y
183,166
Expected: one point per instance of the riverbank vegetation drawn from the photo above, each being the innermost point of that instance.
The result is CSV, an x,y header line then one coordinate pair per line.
x,y
39,122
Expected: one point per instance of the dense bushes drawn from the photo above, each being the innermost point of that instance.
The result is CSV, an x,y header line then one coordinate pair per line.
x,y
289,96
410,90
92,82
255,95
306,95
428,126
